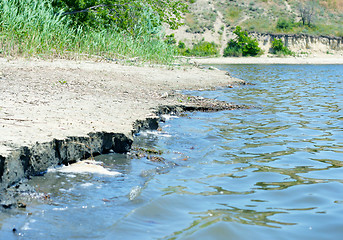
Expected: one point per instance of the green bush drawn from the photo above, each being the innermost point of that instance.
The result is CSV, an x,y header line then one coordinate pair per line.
x,y
284,24
170,39
181,45
279,48
233,50
125,15
200,49
204,48
242,45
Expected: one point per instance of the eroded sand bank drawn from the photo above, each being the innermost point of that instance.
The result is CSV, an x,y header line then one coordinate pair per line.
x,y
45,100
54,112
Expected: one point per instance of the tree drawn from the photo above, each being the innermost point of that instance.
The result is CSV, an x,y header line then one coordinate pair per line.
x,y
306,10
122,14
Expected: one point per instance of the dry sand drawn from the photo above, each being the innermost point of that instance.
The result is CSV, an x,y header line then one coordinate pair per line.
x,y
43,100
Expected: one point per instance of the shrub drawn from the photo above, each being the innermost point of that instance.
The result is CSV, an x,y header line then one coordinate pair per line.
x,y
242,45
279,48
120,13
204,48
181,45
284,24
170,39
200,49
233,50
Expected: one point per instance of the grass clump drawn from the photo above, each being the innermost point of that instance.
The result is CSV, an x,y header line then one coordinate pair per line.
x,y
284,24
204,49
200,49
279,48
34,28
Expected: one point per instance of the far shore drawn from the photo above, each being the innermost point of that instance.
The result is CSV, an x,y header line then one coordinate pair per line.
x,y
314,59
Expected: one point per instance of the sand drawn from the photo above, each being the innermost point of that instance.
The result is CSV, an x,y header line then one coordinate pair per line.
x,y
313,59
45,100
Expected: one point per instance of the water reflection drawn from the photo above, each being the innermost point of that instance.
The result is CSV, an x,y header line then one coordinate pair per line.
x,y
294,142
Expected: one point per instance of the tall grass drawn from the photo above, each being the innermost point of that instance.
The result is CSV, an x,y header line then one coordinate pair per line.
x,y
32,28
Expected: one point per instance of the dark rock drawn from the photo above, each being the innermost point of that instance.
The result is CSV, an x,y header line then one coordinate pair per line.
x,y
21,205
149,123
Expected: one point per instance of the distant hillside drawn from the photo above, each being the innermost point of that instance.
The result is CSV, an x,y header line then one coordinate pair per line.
x,y
214,20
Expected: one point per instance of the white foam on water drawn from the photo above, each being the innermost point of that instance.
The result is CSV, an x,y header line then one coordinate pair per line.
x,y
66,190
27,225
135,192
51,169
60,209
167,117
154,133
148,132
86,184
165,135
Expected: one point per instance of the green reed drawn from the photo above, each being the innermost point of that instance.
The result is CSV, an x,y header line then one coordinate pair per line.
x,y
32,28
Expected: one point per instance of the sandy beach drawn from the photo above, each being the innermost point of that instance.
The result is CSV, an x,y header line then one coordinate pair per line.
x,y
45,100
313,59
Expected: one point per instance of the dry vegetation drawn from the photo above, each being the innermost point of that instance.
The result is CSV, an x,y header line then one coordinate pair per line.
x,y
213,21
263,16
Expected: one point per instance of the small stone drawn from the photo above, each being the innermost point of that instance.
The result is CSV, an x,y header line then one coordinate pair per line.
x,y
213,68
21,205
164,95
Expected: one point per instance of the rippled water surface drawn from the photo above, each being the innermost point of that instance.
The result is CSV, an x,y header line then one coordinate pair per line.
x,y
270,172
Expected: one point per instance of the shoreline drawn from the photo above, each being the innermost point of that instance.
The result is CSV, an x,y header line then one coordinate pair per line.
x,y
61,111
320,60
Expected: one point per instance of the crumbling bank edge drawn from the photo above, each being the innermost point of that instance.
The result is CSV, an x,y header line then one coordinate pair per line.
x,y
35,160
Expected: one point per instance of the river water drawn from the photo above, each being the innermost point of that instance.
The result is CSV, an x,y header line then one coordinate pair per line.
x,y
274,171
